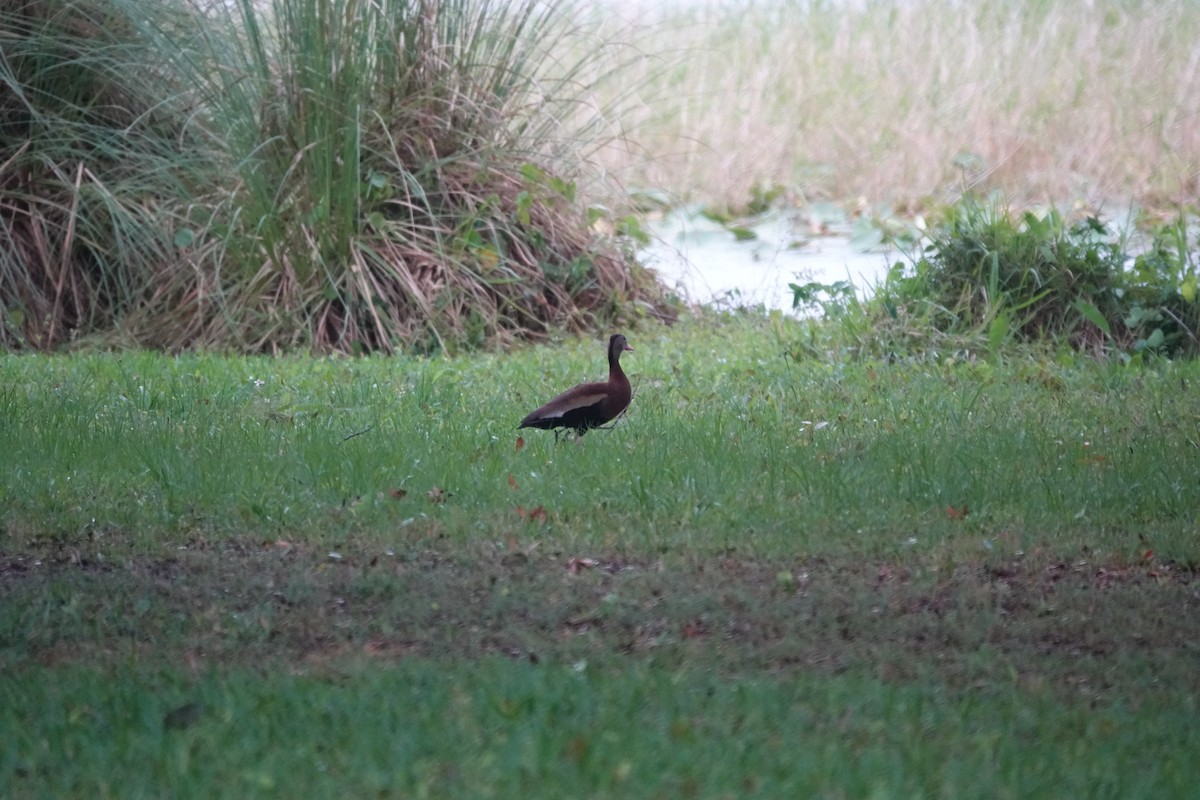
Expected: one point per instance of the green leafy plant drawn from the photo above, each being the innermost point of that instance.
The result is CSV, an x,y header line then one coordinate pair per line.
x,y
984,263
987,278
1161,293
832,300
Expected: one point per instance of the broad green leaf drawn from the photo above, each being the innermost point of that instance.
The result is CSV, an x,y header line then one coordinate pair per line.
x,y
998,332
1093,315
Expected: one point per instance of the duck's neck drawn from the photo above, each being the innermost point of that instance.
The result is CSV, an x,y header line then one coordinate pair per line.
x,y
615,373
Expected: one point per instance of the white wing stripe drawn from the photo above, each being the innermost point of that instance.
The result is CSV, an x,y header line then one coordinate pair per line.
x,y
582,401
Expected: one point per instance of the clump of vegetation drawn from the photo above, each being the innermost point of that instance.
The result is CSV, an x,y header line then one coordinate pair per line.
x,y
1026,274
92,152
984,276
1161,291
336,174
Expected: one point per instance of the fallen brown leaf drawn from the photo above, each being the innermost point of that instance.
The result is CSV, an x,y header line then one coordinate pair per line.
x,y
382,648
520,443
437,495
957,513
576,565
532,514
512,483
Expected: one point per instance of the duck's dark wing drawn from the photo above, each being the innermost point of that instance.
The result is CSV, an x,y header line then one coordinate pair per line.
x,y
581,406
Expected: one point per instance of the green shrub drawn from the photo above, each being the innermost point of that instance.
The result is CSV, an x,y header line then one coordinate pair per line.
x,y
1161,305
986,277
984,264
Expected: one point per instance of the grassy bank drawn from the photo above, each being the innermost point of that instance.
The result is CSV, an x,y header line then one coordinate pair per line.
x,y
900,101
776,575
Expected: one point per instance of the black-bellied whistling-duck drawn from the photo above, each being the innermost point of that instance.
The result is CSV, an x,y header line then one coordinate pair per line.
x,y
588,405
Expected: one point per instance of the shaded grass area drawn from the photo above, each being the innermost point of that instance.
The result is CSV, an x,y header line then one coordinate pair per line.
x,y
1083,630
776,575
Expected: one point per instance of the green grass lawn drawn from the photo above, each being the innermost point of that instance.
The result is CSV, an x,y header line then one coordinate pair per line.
x,y
774,577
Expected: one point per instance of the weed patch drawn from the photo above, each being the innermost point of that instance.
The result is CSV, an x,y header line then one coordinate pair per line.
x,y
984,277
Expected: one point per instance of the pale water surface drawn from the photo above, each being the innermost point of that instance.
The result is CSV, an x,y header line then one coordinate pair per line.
x,y
706,263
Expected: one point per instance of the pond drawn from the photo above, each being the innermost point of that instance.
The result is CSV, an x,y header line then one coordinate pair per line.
x,y
751,263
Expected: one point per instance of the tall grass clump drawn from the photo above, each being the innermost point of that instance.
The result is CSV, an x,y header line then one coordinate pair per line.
x,y
93,156
401,176
354,175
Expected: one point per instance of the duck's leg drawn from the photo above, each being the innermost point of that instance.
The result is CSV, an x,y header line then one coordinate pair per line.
x,y
610,425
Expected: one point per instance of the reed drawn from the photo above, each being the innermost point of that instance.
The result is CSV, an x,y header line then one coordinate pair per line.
x,y
904,101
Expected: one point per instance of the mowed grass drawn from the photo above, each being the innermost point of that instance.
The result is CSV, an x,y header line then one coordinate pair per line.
x,y
494,729
333,577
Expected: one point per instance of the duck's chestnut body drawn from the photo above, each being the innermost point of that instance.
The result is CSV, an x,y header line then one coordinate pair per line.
x,y
588,405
